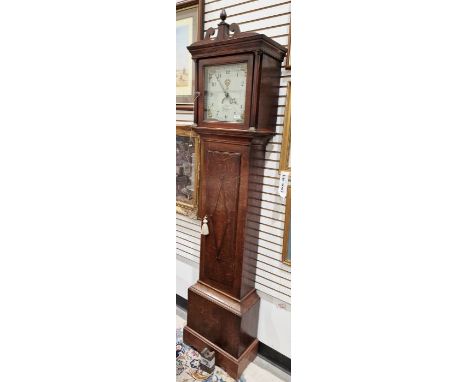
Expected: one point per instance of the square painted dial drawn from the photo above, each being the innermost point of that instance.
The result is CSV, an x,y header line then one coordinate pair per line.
x,y
225,92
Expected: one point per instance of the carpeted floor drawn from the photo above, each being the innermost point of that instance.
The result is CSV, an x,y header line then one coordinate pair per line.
x,y
188,361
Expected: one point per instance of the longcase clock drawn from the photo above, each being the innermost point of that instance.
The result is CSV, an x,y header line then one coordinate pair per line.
x,y
238,79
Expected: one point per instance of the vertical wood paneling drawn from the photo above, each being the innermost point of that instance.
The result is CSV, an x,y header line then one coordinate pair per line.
x,y
272,277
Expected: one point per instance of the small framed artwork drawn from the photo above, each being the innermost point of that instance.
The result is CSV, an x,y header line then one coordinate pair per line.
x,y
285,157
287,230
188,30
187,171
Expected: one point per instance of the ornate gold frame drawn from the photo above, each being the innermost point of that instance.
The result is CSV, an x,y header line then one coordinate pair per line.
x,y
287,228
286,144
187,209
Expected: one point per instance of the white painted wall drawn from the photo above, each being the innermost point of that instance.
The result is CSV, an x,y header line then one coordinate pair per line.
x,y
274,326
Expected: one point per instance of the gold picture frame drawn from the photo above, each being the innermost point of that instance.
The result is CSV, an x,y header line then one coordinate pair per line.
x,y
285,159
286,250
189,28
187,160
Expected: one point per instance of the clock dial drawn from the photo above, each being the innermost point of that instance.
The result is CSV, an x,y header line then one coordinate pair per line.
x,y
225,92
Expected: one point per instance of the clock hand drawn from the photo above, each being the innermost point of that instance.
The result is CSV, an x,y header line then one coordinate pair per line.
x,y
220,84
222,87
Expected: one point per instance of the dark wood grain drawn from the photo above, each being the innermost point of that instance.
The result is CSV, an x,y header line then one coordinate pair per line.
x,y
222,174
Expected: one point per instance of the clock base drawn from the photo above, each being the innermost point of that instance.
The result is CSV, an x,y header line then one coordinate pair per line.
x,y
233,366
224,324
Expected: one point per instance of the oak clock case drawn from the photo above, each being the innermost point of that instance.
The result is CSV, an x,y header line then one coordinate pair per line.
x,y
238,78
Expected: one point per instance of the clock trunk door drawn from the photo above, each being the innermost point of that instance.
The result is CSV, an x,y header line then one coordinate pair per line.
x,y
224,190
226,91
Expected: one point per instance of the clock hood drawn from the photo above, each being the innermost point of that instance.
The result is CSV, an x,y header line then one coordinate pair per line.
x,y
230,40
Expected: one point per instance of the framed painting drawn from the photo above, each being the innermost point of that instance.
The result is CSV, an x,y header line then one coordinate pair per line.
x,y
189,21
285,157
286,255
187,171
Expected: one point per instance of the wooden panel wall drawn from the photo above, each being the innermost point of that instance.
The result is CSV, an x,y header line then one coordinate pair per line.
x,y
272,277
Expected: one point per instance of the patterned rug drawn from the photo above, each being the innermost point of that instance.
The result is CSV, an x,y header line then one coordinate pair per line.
x,y
188,361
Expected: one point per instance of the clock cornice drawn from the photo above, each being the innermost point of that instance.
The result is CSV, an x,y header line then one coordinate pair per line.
x,y
230,40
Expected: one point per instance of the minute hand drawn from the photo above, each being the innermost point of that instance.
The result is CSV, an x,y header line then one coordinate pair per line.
x,y
222,87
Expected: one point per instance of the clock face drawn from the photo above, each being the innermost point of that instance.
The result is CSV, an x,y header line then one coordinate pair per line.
x,y
225,92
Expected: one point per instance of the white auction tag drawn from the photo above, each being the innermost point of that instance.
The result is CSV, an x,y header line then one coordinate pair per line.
x,y
283,184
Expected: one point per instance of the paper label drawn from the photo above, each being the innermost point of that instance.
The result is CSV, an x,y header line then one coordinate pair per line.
x,y
283,184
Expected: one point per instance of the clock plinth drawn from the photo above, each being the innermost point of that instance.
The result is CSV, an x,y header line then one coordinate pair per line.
x,y
238,79
226,325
